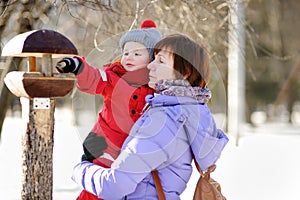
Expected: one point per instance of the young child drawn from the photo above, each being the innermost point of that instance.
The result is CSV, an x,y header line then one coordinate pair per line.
x,y
123,85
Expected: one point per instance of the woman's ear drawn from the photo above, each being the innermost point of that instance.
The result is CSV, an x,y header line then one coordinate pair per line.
x,y
187,75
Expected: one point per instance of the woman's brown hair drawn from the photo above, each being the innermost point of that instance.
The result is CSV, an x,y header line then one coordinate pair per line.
x,y
190,59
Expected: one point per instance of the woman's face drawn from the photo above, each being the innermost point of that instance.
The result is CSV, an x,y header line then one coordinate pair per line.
x,y
161,68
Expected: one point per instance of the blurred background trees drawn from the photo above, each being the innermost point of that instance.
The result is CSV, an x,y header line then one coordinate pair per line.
x,y
272,45
272,55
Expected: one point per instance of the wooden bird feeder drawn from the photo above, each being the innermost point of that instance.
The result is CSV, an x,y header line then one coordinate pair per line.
x,y
39,89
46,44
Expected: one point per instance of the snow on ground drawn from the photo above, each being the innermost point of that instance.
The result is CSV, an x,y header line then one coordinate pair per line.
x,y
264,166
66,154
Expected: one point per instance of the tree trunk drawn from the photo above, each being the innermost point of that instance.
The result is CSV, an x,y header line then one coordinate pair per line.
x,y
236,69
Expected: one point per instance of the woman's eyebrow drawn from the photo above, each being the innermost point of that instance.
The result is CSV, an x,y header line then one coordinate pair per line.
x,y
160,55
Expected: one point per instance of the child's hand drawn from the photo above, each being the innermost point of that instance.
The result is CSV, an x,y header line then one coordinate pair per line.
x,y
68,64
93,146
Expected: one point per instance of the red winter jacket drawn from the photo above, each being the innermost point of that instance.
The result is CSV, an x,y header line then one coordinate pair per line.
x,y
124,99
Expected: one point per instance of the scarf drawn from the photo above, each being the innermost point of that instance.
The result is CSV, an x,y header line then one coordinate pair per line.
x,y
181,87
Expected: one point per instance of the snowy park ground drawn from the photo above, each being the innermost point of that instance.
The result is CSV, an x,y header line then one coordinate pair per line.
x,y
264,166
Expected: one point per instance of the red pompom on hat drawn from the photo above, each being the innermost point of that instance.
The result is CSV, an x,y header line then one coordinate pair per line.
x,y
148,24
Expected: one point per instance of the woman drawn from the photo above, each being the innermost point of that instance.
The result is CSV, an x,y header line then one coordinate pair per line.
x,y
177,125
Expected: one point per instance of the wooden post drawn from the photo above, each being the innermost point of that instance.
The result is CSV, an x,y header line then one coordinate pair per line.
x,y
47,64
38,91
37,157
37,146
31,64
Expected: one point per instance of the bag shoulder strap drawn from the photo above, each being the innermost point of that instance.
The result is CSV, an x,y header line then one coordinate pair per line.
x,y
209,170
159,190
158,186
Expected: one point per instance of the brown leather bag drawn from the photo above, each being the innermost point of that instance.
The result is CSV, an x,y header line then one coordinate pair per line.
x,y
206,188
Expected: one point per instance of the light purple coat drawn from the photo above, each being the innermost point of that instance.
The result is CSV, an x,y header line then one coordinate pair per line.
x,y
163,139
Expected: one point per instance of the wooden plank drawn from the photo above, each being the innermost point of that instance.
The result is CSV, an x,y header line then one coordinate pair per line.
x,y
50,42
48,86
31,64
35,84
39,43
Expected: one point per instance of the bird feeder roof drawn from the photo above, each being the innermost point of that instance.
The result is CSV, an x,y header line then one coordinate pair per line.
x,y
38,43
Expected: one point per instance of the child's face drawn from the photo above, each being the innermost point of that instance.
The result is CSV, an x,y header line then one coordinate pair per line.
x,y
135,56
161,68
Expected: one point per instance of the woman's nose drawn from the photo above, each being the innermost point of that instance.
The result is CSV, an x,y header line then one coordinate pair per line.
x,y
150,66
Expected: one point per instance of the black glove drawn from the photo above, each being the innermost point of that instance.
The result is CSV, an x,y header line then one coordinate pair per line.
x,y
93,147
69,64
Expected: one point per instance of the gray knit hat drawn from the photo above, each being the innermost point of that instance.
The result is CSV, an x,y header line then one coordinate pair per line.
x,y
147,35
